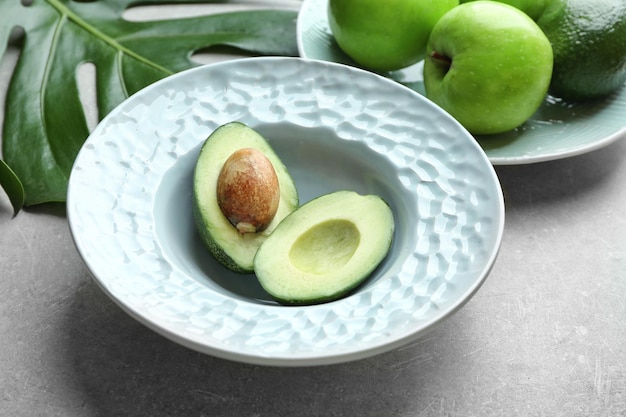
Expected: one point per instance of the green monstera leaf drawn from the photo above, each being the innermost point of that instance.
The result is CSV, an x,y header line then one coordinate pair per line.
x,y
13,186
44,121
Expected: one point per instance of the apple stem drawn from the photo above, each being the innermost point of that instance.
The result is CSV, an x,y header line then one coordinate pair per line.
x,y
441,59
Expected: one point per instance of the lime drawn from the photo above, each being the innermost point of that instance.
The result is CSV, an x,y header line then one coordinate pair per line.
x,y
588,39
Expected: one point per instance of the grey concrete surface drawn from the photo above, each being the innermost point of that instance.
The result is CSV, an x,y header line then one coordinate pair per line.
x,y
545,335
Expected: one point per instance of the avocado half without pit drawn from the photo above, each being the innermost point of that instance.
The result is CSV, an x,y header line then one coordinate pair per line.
x,y
325,248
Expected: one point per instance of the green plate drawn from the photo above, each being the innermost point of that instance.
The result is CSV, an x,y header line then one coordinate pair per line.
x,y
557,130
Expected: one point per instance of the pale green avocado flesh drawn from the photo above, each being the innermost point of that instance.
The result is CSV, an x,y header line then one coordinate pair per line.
x,y
232,249
325,248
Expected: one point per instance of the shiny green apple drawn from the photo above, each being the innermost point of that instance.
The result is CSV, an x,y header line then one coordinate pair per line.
x,y
385,35
588,41
489,65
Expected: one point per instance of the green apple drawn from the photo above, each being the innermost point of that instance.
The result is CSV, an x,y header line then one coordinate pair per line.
x,y
533,8
489,65
587,38
385,35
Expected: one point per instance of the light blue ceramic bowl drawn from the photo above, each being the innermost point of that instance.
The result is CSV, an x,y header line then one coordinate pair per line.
x,y
335,127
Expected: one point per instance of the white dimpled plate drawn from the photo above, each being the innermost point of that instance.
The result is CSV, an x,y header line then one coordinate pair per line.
x,y
335,127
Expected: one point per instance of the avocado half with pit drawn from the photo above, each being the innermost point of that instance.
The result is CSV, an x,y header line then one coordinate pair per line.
x,y
230,247
325,248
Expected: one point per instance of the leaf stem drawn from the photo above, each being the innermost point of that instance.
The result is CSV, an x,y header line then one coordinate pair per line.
x,y
66,11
